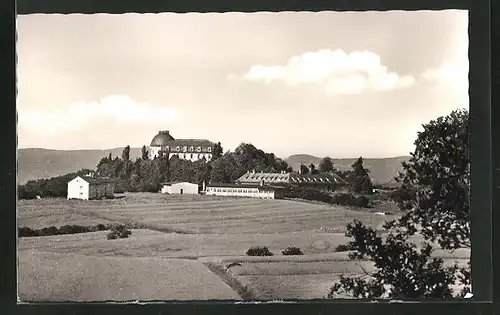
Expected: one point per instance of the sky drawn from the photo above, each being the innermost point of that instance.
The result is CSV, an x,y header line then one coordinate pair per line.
x,y
339,84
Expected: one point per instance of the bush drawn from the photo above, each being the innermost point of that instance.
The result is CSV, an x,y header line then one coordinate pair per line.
x,y
308,194
343,248
348,199
26,232
292,251
259,251
119,231
65,229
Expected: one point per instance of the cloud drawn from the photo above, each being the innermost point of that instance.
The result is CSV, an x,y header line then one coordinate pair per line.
x,y
339,72
454,73
112,110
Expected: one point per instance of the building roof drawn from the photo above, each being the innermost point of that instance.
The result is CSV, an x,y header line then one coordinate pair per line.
x,y
317,178
245,186
176,182
251,177
190,142
97,180
162,138
290,178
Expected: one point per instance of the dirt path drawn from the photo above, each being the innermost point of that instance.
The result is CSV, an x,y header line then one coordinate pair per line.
x,y
241,290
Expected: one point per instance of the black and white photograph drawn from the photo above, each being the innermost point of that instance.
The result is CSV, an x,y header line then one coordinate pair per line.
x,y
267,156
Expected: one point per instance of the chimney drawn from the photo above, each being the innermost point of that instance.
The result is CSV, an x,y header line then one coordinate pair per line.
x,y
262,182
253,171
204,186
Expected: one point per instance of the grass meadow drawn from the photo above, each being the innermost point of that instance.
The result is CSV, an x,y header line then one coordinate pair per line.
x,y
184,247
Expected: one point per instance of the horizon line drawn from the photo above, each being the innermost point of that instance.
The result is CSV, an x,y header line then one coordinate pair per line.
x,y
295,154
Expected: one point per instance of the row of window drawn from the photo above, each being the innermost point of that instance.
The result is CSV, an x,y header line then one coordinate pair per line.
x,y
239,190
314,179
281,178
188,156
185,149
294,179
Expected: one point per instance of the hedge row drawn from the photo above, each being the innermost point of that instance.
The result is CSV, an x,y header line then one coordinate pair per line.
x,y
345,199
66,229
264,251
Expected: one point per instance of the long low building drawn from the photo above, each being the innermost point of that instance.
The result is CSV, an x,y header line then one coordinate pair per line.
x,y
325,181
179,188
246,190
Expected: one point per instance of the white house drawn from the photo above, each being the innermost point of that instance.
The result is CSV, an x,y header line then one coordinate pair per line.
x,y
87,188
246,190
180,188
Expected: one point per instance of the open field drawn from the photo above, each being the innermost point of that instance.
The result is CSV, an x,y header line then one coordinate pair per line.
x,y
199,214
212,232
58,277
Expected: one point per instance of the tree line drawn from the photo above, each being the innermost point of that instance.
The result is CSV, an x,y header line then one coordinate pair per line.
x,y
146,175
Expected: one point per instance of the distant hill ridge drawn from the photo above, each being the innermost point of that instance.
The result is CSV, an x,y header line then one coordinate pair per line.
x,y
37,163
382,170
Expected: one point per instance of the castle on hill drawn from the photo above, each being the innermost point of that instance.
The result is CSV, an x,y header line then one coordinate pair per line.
x,y
187,149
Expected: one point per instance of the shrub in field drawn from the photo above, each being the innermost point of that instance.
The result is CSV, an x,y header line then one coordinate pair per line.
x,y
348,199
308,194
342,248
65,229
292,251
26,232
48,231
259,251
72,229
119,231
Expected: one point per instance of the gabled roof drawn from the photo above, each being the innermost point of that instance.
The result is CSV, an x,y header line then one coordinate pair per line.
x,y
317,178
185,143
96,180
222,185
251,177
254,177
176,182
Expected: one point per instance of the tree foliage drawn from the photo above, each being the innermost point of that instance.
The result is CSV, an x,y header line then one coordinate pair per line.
x,y
359,178
326,165
144,153
436,179
218,151
126,153
312,169
146,174
304,169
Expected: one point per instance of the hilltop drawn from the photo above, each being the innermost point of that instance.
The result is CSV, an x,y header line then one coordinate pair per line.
x,y
382,170
35,163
